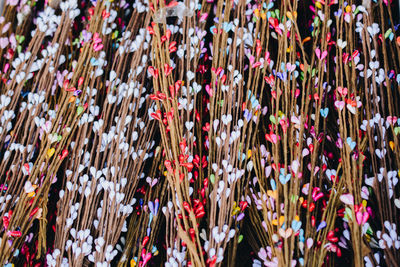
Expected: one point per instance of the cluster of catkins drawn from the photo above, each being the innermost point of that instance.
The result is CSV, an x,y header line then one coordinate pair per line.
x,y
199,133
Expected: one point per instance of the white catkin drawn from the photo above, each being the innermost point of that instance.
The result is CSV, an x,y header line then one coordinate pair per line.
x,y
180,10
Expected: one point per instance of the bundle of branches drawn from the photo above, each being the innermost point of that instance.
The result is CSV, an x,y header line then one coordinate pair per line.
x,y
318,192
199,133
